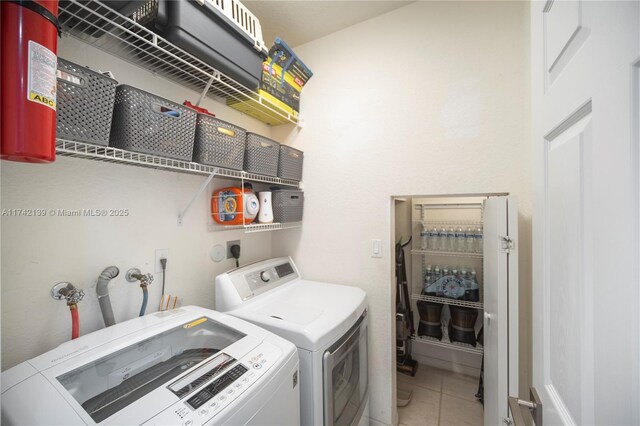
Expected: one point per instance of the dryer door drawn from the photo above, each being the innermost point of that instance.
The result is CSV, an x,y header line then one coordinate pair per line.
x,y
345,376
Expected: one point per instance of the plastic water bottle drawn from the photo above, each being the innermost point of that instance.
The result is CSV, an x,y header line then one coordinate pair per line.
x,y
423,238
470,241
451,240
478,240
428,279
436,276
432,243
473,291
442,240
460,240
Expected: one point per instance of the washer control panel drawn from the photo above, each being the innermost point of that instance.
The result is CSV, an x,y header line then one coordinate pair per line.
x,y
212,398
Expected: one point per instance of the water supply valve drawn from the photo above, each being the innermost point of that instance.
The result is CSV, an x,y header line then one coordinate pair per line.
x,y
134,275
67,291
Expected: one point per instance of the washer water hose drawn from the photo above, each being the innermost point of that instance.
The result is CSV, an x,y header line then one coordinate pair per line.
x,y
72,295
102,291
145,298
75,321
134,275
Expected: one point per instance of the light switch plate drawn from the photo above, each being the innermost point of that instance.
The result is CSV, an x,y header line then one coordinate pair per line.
x,y
376,248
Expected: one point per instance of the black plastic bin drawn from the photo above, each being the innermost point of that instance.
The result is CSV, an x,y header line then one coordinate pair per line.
x,y
148,124
288,205
219,143
85,104
203,31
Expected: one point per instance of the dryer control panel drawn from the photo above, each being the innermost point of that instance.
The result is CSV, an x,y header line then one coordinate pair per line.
x,y
254,279
269,275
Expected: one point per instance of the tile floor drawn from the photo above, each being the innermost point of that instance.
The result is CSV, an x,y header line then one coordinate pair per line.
x,y
440,397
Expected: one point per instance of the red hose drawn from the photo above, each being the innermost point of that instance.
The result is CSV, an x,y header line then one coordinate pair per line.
x,y
75,321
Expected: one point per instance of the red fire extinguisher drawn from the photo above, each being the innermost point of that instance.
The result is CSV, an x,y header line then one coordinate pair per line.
x,y
30,30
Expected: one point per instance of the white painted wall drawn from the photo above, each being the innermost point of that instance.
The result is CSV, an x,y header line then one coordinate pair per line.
x,y
431,98
39,252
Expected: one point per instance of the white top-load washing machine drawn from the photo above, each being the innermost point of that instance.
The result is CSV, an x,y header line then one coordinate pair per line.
x,y
327,322
187,366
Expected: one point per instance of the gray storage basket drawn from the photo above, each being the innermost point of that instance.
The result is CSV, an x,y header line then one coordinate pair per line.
x,y
290,163
261,155
85,104
146,123
219,143
287,205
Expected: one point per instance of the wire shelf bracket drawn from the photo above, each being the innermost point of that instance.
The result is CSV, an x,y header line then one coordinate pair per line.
x,y
195,197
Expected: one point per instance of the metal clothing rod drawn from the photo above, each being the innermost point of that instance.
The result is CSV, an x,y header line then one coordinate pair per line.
x,y
193,199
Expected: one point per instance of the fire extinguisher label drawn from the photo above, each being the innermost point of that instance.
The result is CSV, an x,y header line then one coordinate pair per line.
x,y
42,75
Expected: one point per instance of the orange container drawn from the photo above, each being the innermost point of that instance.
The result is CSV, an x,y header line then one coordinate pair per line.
x,y
233,206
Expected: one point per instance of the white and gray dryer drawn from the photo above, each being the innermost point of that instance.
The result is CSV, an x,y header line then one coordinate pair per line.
x,y
327,322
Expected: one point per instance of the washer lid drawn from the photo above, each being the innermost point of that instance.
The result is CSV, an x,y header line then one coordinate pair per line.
x,y
309,314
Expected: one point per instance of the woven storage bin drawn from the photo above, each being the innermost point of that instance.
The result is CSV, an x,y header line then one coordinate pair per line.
x,y
219,143
85,104
290,163
287,205
146,123
261,155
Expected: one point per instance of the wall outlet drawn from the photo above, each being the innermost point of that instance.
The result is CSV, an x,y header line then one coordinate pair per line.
x,y
160,254
229,244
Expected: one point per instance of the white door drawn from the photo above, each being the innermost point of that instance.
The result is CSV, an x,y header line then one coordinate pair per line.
x,y
500,307
585,90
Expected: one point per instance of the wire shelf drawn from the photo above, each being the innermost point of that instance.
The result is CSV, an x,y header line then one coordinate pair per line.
x,y
476,206
115,155
444,343
256,227
446,223
447,301
446,253
100,26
